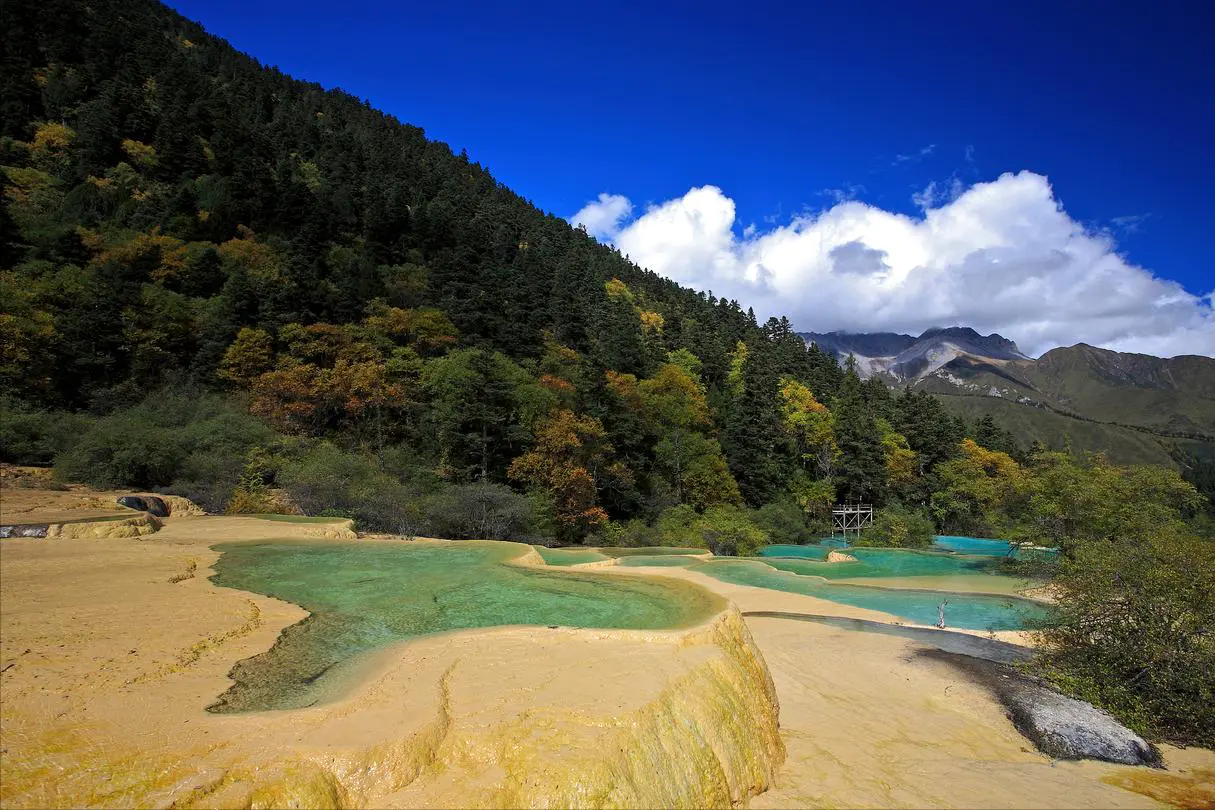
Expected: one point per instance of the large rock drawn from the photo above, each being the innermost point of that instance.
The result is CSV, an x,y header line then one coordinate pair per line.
x,y
1066,728
146,503
1060,726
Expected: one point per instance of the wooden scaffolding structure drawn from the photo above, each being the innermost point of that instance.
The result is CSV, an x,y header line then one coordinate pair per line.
x,y
851,517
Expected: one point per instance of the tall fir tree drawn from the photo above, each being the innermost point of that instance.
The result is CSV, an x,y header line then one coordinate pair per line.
x,y
860,471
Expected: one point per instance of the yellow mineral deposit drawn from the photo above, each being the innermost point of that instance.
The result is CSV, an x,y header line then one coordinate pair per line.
x,y
112,648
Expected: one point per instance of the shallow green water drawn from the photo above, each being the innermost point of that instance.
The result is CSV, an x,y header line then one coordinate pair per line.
x,y
947,543
810,552
652,551
569,556
887,562
660,560
363,597
969,611
972,545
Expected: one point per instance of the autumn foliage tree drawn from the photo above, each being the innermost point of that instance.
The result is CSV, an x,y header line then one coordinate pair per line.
x,y
689,466
570,461
979,488
807,423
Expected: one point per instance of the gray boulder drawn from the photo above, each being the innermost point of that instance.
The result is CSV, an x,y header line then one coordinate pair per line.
x,y
1059,726
1066,728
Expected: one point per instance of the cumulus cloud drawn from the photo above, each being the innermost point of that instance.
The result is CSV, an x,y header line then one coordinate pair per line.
x,y
1001,256
602,218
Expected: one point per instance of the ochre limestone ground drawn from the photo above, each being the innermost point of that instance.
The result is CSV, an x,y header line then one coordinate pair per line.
x,y
110,649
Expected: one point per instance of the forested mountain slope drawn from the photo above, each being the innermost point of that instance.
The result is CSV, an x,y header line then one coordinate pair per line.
x,y
225,281
275,202
178,215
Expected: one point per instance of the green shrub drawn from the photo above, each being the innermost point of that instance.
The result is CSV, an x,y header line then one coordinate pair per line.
x,y
725,530
784,521
1134,631
35,437
728,531
636,533
159,441
676,527
326,480
899,526
479,511
323,479
208,478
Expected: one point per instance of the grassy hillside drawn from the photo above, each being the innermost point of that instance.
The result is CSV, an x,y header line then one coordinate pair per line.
x,y
1172,395
1124,445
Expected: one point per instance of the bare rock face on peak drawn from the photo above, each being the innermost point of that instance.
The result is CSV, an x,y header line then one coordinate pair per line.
x,y
903,358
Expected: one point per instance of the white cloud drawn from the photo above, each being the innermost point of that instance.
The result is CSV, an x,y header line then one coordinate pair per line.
x,y
850,191
603,217
1001,256
936,194
917,157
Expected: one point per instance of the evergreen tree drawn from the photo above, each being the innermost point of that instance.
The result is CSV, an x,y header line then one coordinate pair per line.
x,y
759,457
860,470
930,429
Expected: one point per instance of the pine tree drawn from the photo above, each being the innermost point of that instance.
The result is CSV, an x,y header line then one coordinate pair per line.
x,y
759,456
860,472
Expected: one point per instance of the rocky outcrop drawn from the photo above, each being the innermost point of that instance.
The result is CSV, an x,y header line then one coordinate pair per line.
x,y
834,556
1066,728
1059,726
340,529
182,507
136,526
506,730
709,739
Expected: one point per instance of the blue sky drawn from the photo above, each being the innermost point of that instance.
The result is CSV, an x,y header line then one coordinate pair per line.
x,y
786,108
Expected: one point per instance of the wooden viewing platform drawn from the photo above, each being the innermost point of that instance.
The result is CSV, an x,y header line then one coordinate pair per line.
x,y
851,517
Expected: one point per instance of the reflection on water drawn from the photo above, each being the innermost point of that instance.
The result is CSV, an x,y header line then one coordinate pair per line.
x,y
363,597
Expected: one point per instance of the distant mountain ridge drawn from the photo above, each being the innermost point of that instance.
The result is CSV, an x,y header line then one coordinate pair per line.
x,y
903,358
1136,407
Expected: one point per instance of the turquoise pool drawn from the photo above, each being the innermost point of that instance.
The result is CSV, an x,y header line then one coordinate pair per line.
x,y
365,596
964,610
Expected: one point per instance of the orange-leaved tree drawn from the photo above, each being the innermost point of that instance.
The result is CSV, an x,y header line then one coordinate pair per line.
x,y
570,461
